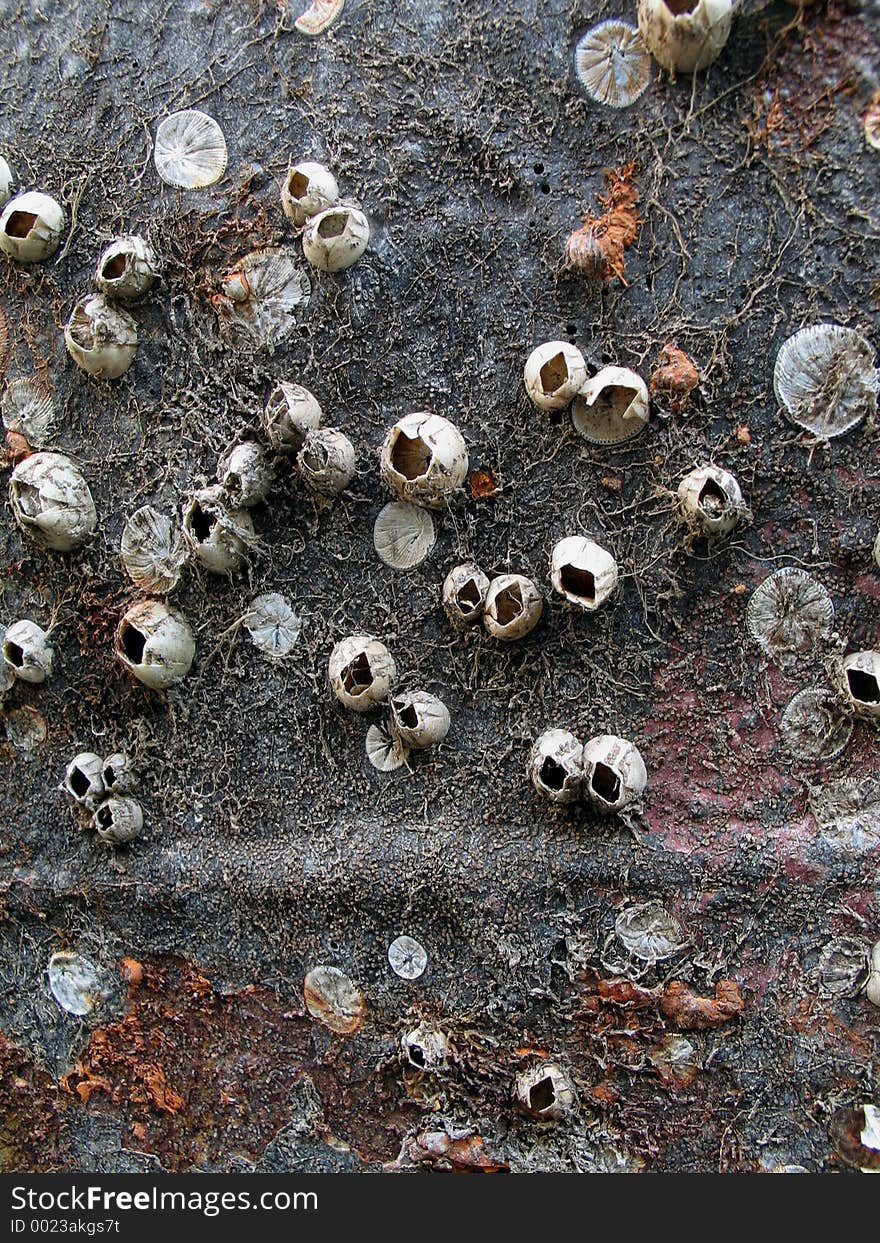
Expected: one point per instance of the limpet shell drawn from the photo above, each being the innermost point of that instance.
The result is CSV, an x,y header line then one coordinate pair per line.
x,y
273,625
790,611
812,727
403,535
190,150
825,379
28,409
152,550
613,64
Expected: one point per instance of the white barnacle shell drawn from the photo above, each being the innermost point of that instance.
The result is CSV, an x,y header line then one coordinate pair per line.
x,y
872,984
309,188
273,625
685,35
155,643
326,461
813,728
825,379
612,407
28,652
152,550
291,412
84,779
384,749
425,1047
554,373
545,1092
118,820
649,932
31,226
710,501
613,64
407,957
127,269
219,537
361,672
464,594
6,181
424,459
101,338
583,572
844,966
318,16
859,676
513,607
556,765
403,534
75,983
262,295
614,773
190,150
790,611
245,475
28,409
419,719
334,999
119,774
336,238
51,501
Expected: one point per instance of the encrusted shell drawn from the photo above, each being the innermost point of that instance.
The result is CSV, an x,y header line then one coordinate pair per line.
x,y
152,550
407,958
334,1000
336,238
419,719
361,672
790,611
825,379
613,64
464,594
513,607
685,35
291,412
245,474
29,409
583,572
190,150
269,287
403,535
612,407
424,459
813,728
119,774
710,501
614,773
545,1092
844,965
31,225
309,188
554,372
101,338
28,652
118,820
84,779
326,461
556,765
127,269
649,932
51,501
219,537
155,643
273,625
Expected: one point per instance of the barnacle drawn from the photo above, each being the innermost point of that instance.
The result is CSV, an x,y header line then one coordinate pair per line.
x,y
790,611
31,225
276,286
27,408
318,16
825,378
612,407
190,150
597,248
403,534
583,572
685,35
545,1091
613,63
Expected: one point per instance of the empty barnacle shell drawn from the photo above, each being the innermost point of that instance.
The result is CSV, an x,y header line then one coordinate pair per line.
x,y
28,409
614,773
710,501
545,1091
613,64
273,625
31,226
291,412
513,607
856,1135
101,338
859,677
326,461
28,652
118,820
612,407
336,238
155,643
334,1000
790,611
119,774
190,150
361,672
318,16
419,719
649,932
51,501
425,1047
424,459
385,751
127,269
75,983
245,474
825,379
309,188
685,35
553,374
464,594
813,728
403,534
6,181
583,571
219,537
407,958
152,550
872,984
84,779
844,965
556,765
268,287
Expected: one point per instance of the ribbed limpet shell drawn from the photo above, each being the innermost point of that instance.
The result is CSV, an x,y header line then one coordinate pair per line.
x,y
273,625
384,750
649,932
275,286
403,535
190,150
789,612
812,727
613,64
28,409
152,550
825,378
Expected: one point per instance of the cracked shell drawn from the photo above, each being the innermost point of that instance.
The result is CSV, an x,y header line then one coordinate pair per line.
x,y
556,766
51,501
859,676
291,412
155,643
118,820
127,269
326,462
464,595
309,188
218,537
84,779
614,773
336,238
612,407
545,1092
31,225
245,474
418,719
101,338
710,501
425,1047
685,35
361,672
583,572
424,459
554,373
513,607
28,652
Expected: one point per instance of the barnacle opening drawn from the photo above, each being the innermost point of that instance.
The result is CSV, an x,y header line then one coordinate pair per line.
x,y
333,225
104,816
27,498
13,654
678,7
712,499
315,457
542,1096
109,775
578,582
468,597
553,775
115,267
201,523
508,604
615,399
416,1055
133,642
863,686
410,456
406,715
81,329
554,373
605,783
78,783
20,223
297,184
357,676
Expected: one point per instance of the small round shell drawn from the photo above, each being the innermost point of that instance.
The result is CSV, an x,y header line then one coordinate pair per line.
x,y
101,338
649,932
219,537
127,269
155,643
335,239
31,226
261,297
425,1047
190,150
403,535
554,373
6,181
614,773
545,1092
326,461
152,550
583,572
273,625
419,719
75,983
464,595
613,64
859,675
872,984
361,672
245,475
790,611
685,35
334,1000
844,965
813,728
28,652
29,409
51,501
513,607
612,407
384,750
84,779
119,774
118,820
556,766
309,188
291,412
710,501
407,958
424,459
318,16
825,379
